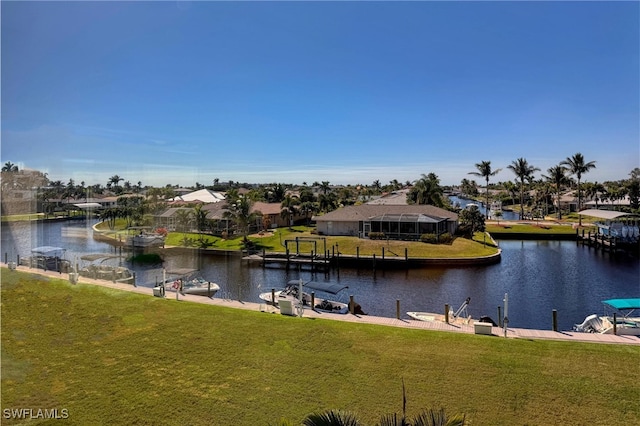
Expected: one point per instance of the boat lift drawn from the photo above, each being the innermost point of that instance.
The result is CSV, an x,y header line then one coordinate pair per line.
x,y
462,309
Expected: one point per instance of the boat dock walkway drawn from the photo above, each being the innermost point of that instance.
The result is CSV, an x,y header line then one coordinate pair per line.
x,y
515,333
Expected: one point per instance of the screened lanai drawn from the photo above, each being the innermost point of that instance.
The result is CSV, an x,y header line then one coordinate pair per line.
x,y
405,226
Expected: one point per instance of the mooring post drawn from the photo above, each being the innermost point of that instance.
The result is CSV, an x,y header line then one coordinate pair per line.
x,y
134,279
499,318
382,253
374,262
358,253
273,296
351,305
554,315
406,255
5,258
446,313
615,323
397,308
313,300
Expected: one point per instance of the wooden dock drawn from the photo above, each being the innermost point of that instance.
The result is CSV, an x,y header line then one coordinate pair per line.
x,y
513,333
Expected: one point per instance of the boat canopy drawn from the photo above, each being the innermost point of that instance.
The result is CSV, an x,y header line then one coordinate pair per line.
x,y
315,285
603,214
48,250
623,303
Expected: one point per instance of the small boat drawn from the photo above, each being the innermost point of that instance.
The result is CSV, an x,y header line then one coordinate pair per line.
x,y
146,239
48,258
460,316
625,323
295,292
187,281
97,269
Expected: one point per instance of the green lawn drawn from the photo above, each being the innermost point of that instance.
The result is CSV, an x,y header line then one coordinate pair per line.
x,y
118,358
275,242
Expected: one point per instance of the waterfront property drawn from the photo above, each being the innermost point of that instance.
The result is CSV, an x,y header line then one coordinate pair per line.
x,y
616,230
397,222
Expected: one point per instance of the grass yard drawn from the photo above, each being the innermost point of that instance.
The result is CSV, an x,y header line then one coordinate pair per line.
x,y
275,241
118,358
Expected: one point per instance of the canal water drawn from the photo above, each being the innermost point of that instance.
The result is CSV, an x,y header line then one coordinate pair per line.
x,y
539,276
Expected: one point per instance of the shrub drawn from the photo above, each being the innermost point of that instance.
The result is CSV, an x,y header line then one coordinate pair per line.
x,y
446,238
429,238
377,235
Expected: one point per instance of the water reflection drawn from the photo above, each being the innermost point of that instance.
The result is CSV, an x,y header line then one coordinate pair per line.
x,y
538,275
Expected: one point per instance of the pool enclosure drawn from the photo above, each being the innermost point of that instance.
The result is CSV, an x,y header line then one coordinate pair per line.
x,y
405,226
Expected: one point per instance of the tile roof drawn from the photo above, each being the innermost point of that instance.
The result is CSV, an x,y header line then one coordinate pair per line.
x,y
366,211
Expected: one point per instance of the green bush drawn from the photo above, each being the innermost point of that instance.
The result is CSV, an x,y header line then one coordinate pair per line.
x,y
446,238
377,235
429,238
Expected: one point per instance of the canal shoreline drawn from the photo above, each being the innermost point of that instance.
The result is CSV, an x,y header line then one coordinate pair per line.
x,y
509,332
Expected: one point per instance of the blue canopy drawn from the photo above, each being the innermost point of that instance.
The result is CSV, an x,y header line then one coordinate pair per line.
x,y
623,303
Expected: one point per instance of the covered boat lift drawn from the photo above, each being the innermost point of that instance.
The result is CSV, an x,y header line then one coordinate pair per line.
x,y
616,230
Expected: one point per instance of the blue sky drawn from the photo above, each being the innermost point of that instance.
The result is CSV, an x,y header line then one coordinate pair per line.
x,y
347,92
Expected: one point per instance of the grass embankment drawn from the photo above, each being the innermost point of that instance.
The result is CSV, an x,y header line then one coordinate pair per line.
x,y
112,357
275,241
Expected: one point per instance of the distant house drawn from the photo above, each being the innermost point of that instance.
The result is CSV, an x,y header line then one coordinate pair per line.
x,y
402,222
397,198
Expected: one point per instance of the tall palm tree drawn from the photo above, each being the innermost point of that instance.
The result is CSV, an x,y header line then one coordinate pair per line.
x,y
426,190
484,170
523,171
557,175
578,167
115,181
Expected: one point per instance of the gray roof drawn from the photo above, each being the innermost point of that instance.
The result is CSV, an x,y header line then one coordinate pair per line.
x,y
367,211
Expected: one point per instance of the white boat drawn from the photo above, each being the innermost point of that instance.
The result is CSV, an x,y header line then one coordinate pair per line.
x,y
460,316
97,269
295,292
145,238
187,281
625,322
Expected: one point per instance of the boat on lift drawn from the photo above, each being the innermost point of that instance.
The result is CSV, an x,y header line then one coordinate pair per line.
x,y
626,320
460,316
298,291
187,281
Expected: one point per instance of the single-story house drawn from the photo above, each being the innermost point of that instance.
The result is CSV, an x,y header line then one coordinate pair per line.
x,y
402,222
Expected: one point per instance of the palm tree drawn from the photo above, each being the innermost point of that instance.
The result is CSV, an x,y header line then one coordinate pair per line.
x,y
240,212
289,208
523,171
9,167
558,177
115,181
577,167
325,187
484,170
426,190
